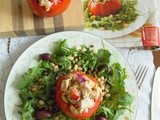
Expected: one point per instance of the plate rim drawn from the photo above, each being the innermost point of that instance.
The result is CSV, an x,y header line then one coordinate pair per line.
x,y
65,32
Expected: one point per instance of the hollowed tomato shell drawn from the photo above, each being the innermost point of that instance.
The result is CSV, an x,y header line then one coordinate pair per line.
x,y
65,107
54,9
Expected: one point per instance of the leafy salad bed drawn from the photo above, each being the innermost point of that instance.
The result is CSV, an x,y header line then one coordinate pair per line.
x,y
127,15
37,85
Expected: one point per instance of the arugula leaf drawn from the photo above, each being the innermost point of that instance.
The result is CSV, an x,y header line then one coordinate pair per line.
x,y
29,76
25,95
117,76
117,114
103,56
87,60
120,100
62,49
28,110
105,110
63,62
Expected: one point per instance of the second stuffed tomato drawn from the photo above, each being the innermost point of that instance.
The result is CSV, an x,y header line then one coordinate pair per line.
x,y
48,8
104,7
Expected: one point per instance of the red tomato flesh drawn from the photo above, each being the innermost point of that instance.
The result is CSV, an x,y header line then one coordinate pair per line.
x,y
65,107
75,95
104,9
55,9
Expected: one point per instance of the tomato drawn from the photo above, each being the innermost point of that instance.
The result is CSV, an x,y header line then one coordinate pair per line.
x,y
65,107
104,8
54,10
75,95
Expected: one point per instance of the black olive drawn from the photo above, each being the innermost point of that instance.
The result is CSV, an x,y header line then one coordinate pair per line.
x,y
42,114
45,56
101,118
100,67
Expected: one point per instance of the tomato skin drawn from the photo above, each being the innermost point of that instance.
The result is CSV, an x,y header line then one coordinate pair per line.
x,y
65,107
54,9
104,9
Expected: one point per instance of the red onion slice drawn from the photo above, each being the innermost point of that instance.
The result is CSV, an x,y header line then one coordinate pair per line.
x,y
80,78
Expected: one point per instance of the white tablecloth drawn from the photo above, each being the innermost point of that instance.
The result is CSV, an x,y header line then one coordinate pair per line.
x,y
10,50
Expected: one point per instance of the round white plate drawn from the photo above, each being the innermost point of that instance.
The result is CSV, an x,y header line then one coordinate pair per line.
x,y
47,44
139,22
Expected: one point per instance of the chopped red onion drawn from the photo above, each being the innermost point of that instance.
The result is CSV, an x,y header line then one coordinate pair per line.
x,y
80,78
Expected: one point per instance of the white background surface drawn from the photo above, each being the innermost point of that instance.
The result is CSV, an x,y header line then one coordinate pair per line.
x,y
10,53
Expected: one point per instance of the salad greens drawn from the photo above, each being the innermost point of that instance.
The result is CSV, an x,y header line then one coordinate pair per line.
x,y
118,21
38,83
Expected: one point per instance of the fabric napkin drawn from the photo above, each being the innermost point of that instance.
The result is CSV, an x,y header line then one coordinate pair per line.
x,y
135,58
155,105
134,39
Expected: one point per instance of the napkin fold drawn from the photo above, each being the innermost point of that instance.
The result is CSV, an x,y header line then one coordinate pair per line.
x,y
155,105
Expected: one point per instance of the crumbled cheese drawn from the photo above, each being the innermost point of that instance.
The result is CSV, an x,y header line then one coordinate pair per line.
x,y
87,103
89,83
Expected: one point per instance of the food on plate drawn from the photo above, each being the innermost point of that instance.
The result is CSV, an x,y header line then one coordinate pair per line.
x,y
48,8
104,7
110,14
78,95
74,83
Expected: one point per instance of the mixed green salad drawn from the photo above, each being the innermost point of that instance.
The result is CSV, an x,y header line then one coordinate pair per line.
x,y
37,85
118,21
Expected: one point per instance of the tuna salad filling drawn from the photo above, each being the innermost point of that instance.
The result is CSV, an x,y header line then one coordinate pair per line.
x,y
87,91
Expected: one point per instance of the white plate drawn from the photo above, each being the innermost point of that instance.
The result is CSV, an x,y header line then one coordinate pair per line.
x,y
47,44
139,22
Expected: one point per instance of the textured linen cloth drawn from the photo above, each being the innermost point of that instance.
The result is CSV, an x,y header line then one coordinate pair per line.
x,y
136,58
10,50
